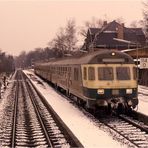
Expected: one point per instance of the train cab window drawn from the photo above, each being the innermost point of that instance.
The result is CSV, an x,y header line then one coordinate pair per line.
x,y
135,73
123,73
85,73
105,73
91,73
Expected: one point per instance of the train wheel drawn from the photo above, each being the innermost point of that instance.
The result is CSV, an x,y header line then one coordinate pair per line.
x,y
121,109
67,93
128,110
108,109
56,87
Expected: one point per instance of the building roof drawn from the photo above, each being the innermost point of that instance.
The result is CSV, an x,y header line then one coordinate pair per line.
x,y
106,34
94,30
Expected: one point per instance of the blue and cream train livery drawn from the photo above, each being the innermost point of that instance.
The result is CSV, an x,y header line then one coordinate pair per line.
x,y
104,78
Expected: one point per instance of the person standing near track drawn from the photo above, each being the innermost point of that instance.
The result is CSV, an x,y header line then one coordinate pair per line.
x,y
4,81
0,88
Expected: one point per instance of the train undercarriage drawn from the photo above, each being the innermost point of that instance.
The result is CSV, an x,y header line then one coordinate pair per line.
x,y
103,106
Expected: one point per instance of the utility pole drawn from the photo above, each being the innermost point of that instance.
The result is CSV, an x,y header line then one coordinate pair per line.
x,y
0,88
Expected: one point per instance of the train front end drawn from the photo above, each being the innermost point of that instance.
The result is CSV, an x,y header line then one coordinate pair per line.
x,y
110,80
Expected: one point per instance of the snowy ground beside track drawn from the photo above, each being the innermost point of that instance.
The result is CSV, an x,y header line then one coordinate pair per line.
x,y
83,127
143,99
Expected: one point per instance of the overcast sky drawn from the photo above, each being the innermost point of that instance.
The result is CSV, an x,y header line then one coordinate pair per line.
x,y
28,24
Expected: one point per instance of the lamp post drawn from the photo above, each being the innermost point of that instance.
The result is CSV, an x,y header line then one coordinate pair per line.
x,y
137,66
137,59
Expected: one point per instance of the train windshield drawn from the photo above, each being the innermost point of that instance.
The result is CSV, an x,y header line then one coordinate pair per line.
x,y
91,73
105,73
123,73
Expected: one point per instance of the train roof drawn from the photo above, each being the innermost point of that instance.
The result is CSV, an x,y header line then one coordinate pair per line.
x,y
98,57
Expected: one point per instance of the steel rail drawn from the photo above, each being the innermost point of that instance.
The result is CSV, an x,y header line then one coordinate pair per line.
x,y
122,134
15,115
125,118
39,116
140,116
72,139
106,124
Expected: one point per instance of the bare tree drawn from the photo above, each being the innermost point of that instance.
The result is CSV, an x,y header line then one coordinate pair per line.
x,y
70,31
145,18
120,20
6,63
20,60
134,24
93,23
59,41
65,40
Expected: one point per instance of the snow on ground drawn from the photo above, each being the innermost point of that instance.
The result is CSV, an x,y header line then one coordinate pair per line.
x,y
143,99
4,94
84,128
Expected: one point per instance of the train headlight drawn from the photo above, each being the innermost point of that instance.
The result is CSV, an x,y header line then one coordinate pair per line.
x,y
130,103
100,91
129,91
113,53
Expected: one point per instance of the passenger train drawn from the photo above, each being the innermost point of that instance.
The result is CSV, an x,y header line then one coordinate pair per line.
x,y
102,79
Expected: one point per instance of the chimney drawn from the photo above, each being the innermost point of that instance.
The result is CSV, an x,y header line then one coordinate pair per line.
x,y
104,23
120,31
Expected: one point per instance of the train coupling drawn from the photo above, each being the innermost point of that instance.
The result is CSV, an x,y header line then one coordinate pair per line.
x,y
115,103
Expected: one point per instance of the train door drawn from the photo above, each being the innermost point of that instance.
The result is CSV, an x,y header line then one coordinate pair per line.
x,y
50,75
76,80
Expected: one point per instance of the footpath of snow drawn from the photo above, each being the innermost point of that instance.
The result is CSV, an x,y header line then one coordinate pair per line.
x,y
83,128
143,100
5,94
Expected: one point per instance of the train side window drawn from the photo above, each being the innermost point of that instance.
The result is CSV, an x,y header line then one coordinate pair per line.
x,y
76,74
57,70
91,73
53,69
85,73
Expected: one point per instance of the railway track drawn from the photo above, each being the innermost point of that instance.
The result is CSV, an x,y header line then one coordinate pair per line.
x,y
32,122
129,130
133,131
